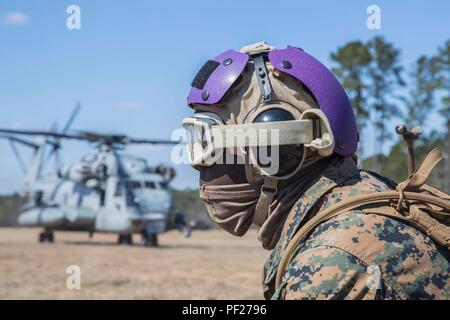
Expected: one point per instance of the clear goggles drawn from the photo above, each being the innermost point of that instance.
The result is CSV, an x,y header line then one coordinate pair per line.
x,y
208,136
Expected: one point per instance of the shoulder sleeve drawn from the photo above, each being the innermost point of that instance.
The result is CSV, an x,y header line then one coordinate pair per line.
x,y
326,272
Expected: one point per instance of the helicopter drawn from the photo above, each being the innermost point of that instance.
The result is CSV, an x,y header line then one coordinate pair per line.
x,y
107,191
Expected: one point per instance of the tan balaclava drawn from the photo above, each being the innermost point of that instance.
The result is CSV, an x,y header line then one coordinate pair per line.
x,y
237,195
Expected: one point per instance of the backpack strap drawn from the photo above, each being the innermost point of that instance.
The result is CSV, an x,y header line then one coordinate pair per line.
x,y
421,174
395,201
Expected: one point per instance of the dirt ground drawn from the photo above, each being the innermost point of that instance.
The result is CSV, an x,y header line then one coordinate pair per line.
x,y
209,265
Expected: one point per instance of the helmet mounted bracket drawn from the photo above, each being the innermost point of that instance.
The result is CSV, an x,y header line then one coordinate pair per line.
x,y
262,76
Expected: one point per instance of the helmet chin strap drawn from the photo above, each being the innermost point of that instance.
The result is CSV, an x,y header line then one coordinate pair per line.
x,y
269,187
268,192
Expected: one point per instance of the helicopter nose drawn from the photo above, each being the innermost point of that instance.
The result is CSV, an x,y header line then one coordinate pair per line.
x,y
158,201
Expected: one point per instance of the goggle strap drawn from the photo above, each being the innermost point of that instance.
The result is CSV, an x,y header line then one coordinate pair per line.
x,y
263,133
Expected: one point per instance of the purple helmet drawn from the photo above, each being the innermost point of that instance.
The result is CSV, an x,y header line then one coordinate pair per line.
x,y
218,75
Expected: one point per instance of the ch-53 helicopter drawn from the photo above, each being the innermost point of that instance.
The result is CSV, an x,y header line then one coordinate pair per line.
x,y
107,191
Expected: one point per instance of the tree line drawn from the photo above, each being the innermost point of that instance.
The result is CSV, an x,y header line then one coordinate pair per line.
x,y
381,89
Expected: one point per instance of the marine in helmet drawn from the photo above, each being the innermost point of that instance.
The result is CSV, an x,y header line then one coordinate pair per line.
x,y
274,138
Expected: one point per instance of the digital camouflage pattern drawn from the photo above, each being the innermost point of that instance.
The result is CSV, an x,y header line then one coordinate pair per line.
x,y
356,255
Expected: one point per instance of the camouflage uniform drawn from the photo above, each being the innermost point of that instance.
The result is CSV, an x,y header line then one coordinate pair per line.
x,y
355,255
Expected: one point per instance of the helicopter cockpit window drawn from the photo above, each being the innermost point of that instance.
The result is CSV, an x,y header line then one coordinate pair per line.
x,y
89,158
38,198
164,185
149,184
119,187
132,185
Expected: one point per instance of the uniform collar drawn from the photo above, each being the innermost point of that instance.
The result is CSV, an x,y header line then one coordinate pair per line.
x,y
335,174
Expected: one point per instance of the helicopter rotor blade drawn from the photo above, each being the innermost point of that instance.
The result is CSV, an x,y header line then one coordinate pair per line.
x,y
101,136
152,141
22,141
53,151
57,160
123,139
42,133
57,144
17,155
72,117
89,136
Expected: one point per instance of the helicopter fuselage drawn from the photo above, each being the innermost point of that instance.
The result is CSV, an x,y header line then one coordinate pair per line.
x,y
123,199
105,192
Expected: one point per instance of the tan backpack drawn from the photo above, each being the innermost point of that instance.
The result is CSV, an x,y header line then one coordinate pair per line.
x,y
413,202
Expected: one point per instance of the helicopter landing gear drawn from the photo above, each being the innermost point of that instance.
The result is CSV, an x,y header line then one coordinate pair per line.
x,y
149,239
46,236
125,239
186,231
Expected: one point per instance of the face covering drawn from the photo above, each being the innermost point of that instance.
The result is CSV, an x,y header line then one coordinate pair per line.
x,y
232,206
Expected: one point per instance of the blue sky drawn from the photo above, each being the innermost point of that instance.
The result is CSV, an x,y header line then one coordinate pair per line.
x,y
132,61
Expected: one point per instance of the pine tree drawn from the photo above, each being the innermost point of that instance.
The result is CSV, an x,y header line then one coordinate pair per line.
x,y
385,77
352,61
443,59
421,99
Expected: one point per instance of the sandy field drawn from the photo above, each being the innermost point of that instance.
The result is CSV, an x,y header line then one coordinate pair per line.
x,y
209,265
